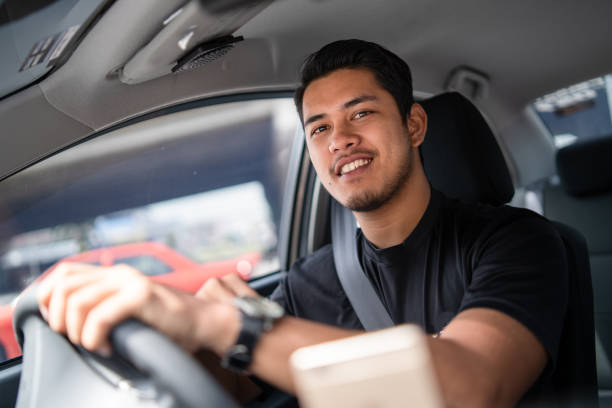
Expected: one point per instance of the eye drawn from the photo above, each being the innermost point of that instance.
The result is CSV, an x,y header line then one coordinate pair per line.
x,y
318,129
361,114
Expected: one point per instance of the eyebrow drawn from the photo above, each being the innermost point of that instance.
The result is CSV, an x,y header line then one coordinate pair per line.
x,y
314,118
349,104
358,100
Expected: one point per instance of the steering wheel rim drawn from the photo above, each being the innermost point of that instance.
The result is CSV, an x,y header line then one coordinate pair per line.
x,y
172,378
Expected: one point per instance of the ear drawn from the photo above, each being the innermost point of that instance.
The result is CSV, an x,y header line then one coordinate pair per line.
x,y
417,124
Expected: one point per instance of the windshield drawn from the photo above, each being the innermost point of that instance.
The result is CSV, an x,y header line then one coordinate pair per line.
x,y
34,34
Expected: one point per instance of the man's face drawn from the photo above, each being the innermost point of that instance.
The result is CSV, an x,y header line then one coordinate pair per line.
x,y
357,141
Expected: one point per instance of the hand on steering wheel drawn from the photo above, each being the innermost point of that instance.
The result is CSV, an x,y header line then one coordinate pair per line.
x,y
85,302
55,373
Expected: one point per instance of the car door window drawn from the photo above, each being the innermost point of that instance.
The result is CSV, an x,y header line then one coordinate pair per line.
x,y
581,111
147,264
197,191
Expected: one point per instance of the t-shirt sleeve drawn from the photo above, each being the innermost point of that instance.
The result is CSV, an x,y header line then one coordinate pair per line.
x,y
519,268
279,295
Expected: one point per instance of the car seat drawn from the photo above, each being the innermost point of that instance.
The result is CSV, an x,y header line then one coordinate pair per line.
x,y
463,160
583,200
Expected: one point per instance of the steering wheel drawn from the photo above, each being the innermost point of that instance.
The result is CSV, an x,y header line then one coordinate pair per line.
x,y
146,368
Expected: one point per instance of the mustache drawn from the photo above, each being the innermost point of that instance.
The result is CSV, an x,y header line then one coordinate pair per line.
x,y
332,169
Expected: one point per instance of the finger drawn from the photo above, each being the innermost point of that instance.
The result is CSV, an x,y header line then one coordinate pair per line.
x,y
237,285
62,270
80,303
214,289
62,289
111,311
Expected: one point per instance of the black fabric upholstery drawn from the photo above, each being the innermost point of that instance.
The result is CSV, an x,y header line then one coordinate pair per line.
x,y
462,159
585,168
591,216
576,378
461,156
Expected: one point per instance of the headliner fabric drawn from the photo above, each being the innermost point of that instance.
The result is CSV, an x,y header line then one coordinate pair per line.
x,y
585,168
461,155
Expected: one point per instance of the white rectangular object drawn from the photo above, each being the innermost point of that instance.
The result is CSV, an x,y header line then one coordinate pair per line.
x,y
387,369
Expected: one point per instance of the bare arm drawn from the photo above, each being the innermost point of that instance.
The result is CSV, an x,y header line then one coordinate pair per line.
x,y
485,358
472,358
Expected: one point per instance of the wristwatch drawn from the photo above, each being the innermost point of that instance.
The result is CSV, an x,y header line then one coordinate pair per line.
x,y
258,315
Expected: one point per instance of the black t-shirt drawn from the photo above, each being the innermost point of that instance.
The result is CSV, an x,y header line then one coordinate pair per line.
x,y
459,256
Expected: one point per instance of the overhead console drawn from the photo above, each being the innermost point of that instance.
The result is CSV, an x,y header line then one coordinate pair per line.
x,y
193,34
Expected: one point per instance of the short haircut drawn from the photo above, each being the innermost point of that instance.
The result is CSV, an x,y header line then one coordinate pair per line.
x,y
391,72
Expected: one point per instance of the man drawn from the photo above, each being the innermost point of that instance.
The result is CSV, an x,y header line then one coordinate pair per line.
x,y
489,282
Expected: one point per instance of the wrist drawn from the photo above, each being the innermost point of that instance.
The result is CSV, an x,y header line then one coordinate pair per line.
x,y
225,318
257,316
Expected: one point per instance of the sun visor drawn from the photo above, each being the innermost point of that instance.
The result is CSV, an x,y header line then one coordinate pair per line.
x,y
195,33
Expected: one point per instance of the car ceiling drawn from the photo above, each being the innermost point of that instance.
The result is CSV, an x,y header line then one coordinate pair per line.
x,y
525,48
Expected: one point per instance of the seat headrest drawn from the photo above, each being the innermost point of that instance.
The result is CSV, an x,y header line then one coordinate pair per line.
x,y
461,156
585,168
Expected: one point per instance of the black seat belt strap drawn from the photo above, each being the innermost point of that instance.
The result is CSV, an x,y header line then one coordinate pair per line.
x,y
358,288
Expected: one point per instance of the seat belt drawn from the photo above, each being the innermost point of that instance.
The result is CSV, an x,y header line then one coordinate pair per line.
x,y
367,305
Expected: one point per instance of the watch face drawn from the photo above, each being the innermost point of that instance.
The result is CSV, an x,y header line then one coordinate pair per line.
x,y
259,307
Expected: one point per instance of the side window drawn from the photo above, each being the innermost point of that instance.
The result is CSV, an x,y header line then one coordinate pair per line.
x,y
577,113
183,197
581,111
147,264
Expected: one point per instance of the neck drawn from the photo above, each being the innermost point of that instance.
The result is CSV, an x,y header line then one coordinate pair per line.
x,y
391,224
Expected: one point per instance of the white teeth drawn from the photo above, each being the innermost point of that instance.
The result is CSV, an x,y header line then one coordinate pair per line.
x,y
353,165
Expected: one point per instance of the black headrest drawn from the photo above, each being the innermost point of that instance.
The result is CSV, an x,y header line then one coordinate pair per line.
x,y
461,156
586,167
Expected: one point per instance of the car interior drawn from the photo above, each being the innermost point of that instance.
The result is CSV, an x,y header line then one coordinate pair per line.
x,y
479,175
132,120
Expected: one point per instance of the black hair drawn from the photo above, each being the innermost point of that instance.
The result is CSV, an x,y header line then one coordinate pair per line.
x,y
391,72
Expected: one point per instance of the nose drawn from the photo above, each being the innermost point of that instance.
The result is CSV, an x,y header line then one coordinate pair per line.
x,y
342,138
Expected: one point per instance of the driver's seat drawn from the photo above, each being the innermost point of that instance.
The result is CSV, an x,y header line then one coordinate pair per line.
x,y
463,160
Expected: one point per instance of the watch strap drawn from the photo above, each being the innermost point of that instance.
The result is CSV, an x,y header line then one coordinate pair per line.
x,y
239,356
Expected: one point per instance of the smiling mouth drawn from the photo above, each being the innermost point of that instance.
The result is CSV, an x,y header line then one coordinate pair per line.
x,y
347,168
